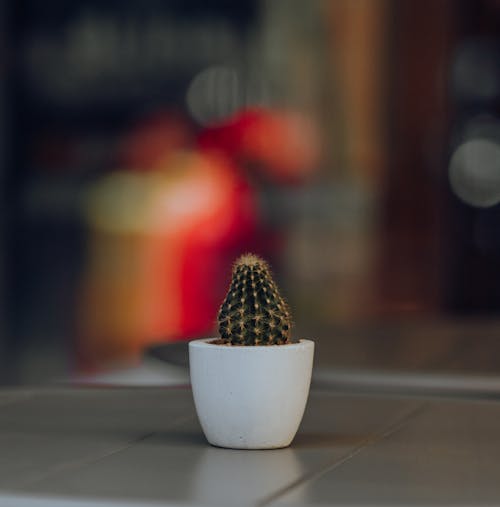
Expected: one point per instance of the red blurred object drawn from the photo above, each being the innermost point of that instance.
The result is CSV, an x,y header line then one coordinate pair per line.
x,y
165,231
283,146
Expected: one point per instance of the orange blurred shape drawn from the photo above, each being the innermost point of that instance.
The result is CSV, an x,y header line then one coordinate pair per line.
x,y
153,139
160,244
283,146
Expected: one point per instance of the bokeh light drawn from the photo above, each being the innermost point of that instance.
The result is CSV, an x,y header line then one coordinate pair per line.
x,y
474,172
218,92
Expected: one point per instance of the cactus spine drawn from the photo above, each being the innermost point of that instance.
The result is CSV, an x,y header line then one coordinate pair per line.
x,y
253,312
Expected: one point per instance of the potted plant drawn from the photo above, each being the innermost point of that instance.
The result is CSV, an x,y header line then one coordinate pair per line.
x,y
250,385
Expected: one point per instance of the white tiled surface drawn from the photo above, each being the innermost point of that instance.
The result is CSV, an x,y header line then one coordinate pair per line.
x,y
448,453
144,445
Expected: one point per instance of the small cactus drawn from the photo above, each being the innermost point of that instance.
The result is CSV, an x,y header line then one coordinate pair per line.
x,y
253,312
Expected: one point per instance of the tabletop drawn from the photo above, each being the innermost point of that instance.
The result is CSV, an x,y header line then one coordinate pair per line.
x,y
144,446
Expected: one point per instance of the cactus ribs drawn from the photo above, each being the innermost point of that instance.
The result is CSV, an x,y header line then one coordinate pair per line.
x,y
253,312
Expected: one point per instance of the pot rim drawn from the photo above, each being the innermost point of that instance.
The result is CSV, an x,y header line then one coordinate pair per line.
x,y
204,343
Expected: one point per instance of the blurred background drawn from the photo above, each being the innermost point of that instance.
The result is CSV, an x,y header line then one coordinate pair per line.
x,y
144,145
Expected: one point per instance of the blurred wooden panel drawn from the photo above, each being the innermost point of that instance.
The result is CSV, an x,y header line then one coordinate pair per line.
x,y
409,268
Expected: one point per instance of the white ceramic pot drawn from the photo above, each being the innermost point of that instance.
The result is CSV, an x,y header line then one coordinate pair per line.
x,y
250,397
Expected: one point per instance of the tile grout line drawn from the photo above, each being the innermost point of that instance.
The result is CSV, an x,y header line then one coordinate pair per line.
x,y
319,471
82,462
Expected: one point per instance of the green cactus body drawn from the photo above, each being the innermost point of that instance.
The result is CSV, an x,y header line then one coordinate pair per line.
x,y
253,312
